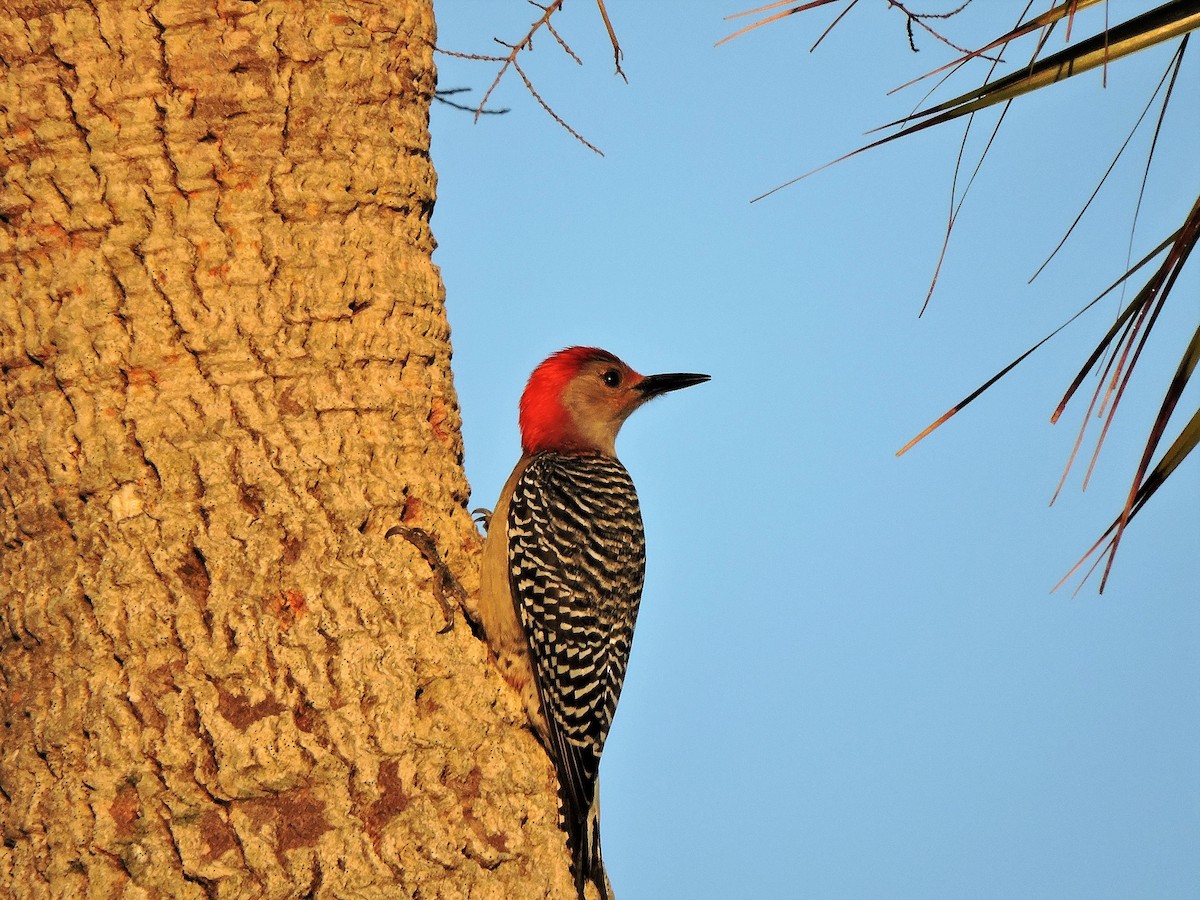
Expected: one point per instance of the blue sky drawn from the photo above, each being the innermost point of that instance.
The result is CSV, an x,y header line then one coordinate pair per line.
x,y
849,678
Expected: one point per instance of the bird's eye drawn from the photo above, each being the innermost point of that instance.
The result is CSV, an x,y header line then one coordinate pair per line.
x,y
612,378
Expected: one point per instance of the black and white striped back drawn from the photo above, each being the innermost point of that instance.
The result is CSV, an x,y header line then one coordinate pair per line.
x,y
577,558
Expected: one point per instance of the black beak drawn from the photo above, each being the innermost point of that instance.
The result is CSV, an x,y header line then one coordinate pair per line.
x,y
653,385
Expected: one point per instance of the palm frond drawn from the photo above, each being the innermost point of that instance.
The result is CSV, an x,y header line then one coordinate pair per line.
x,y
1119,349
1157,26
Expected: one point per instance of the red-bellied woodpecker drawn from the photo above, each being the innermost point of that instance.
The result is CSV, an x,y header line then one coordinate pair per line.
x,y
562,572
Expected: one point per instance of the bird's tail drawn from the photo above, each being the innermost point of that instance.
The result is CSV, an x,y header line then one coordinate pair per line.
x,y
587,861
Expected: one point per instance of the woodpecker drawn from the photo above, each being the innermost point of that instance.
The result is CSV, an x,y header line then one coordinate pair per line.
x,y
562,572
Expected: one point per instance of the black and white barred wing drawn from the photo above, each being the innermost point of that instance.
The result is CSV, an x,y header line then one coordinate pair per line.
x,y
577,557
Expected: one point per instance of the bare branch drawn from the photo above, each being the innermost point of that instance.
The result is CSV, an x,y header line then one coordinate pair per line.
x,y
920,20
509,61
526,43
440,97
612,36
562,43
555,116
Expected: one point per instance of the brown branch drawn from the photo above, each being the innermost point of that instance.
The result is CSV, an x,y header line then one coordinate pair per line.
x,y
509,61
918,19
526,43
555,116
612,36
563,43
476,57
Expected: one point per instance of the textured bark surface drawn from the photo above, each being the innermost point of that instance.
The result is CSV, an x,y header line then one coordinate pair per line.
x,y
225,373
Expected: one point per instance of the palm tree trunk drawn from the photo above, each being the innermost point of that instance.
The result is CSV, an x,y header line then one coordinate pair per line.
x,y
225,373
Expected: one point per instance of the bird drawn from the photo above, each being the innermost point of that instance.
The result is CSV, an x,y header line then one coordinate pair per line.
x,y
562,572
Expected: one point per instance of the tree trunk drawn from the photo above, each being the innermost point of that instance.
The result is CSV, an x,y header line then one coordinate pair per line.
x,y
226,373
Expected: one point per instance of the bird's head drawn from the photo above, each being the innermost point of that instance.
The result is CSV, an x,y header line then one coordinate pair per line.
x,y
577,400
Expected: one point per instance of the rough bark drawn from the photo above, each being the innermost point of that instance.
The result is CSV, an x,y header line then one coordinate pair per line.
x,y
225,373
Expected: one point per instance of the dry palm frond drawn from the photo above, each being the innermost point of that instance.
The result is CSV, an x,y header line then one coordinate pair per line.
x,y
1122,345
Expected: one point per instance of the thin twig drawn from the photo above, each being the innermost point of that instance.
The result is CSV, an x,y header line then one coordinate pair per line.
x,y
509,61
919,20
555,116
440,97
563,43
526,43
612,36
